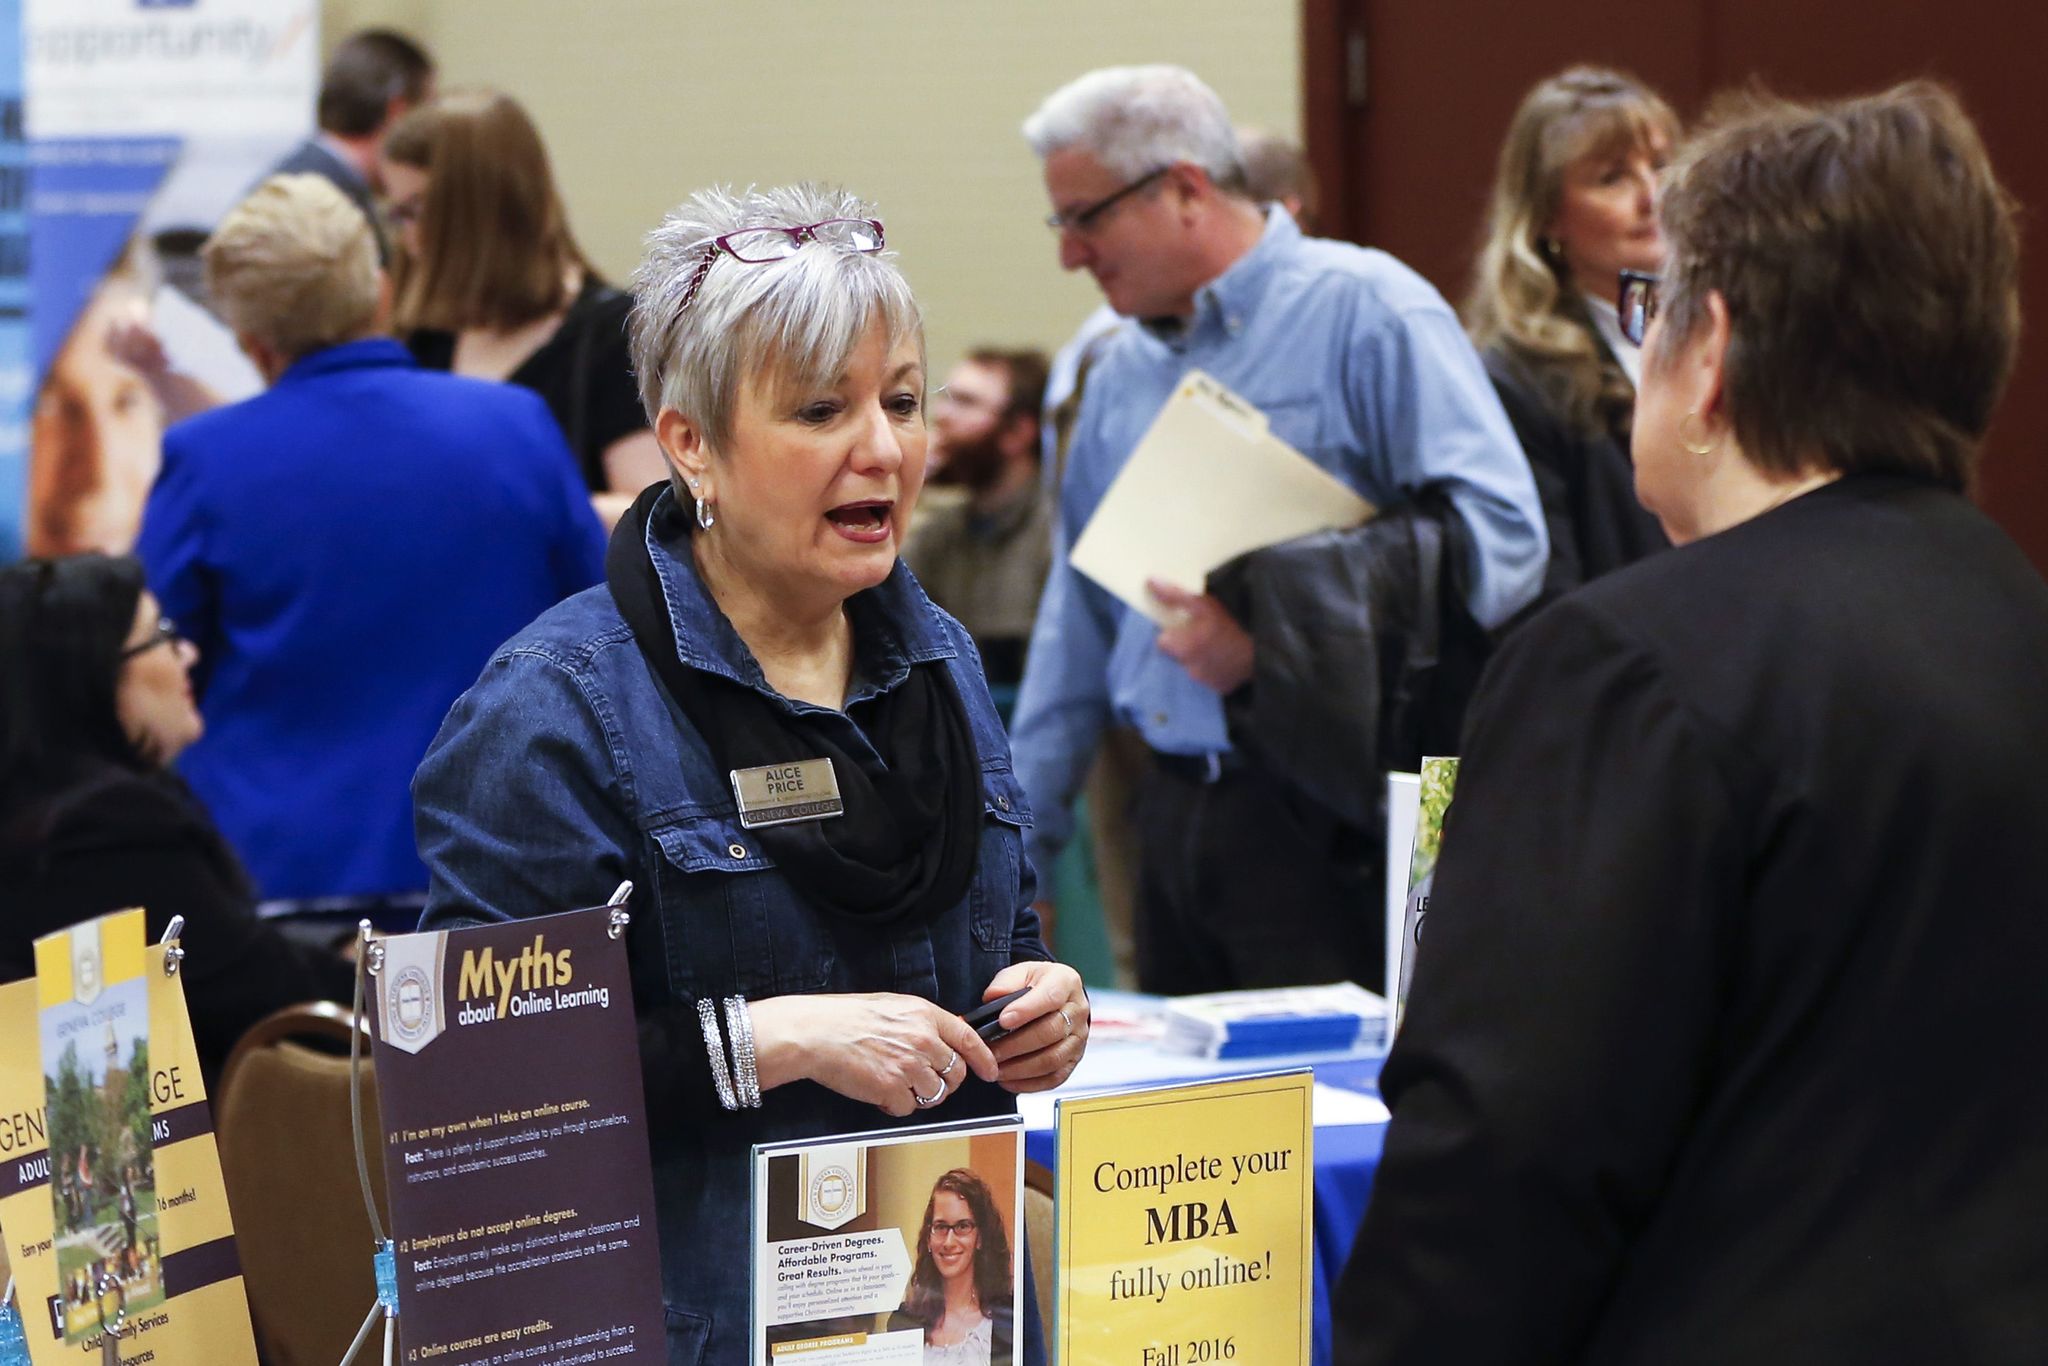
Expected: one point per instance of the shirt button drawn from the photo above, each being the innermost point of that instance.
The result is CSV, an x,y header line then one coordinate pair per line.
x,y
1158,718
736,850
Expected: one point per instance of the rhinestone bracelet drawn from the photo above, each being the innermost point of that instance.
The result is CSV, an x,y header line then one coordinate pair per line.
x,y
707,1015
740,1025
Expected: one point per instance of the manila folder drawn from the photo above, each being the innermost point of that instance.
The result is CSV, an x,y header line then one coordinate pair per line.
x,y
1207,483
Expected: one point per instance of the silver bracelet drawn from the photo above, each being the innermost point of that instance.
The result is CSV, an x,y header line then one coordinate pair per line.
x,y
707,1015
740,1025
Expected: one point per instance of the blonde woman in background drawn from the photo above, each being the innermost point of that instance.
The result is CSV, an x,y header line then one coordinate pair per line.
x,y
1574,204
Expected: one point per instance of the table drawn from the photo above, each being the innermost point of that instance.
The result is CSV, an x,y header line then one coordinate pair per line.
x,y
1346,1155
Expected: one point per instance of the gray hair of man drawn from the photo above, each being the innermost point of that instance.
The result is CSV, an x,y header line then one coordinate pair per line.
x,y
793,323
1137,119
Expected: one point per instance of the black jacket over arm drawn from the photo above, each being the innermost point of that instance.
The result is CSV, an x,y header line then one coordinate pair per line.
x,y
1364,654
120,838
1727,1041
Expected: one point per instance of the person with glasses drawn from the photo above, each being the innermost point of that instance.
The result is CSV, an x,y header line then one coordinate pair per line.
x,y
763,723
983,555
1574,202
95,705
346,548
1245,880
959,1295
1725,1042
374,77
491,283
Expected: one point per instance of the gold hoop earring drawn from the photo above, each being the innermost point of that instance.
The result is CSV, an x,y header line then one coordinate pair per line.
x,y
1696,447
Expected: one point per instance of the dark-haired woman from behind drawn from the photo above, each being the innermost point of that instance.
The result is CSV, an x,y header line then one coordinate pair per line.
x,y
1725,1042
1574,202
960,1289
95,703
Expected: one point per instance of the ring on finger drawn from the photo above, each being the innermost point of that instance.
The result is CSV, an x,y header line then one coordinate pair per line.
x,y
926,1102
1067,1020
952,1061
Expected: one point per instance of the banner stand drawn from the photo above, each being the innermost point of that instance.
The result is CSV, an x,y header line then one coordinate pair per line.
x,y
369,963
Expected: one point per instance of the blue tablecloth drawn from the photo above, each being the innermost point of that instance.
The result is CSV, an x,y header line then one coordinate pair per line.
x,y
1346,1156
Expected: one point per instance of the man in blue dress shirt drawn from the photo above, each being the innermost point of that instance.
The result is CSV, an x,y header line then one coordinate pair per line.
x,y
1361,366
346,549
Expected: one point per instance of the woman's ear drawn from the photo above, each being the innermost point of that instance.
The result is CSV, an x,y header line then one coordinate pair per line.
x,y
682,443
1707,359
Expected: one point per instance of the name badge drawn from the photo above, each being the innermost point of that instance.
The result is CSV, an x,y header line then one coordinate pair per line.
x,y
781,793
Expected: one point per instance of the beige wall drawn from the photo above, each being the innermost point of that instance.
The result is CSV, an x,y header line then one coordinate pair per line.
x,y
914,103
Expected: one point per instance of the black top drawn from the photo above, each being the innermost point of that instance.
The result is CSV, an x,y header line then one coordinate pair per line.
x,y
1725,1042
584,371
1584,476
116,838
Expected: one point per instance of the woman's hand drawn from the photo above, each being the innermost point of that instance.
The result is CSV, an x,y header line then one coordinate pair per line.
x,y
1048,1027
885,1049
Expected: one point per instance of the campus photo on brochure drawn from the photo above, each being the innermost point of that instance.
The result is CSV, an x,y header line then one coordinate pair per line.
x,y
103,1170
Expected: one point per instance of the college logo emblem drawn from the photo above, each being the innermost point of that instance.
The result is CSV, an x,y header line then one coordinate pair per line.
x,y
834,1190
412,1016
411,1011
88,974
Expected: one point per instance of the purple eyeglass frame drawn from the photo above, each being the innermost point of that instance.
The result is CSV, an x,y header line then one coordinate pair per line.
x,y
799,234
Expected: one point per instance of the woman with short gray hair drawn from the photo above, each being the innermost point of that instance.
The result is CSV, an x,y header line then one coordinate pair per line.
x,y
802,960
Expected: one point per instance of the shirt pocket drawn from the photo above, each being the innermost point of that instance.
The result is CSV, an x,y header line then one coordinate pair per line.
x,y
734,925
999,876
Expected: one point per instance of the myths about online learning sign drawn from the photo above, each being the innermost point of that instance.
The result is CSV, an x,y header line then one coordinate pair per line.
x,y
536,981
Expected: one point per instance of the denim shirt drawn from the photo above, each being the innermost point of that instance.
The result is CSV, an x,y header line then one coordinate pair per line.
x,y
1358,364
565,770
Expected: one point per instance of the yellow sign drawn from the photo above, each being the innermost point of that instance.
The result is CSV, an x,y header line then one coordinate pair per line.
x,y
67,1203
1185,1225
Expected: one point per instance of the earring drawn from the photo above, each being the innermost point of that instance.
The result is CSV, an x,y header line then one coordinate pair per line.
x,y
1696,447
705,517
1552,247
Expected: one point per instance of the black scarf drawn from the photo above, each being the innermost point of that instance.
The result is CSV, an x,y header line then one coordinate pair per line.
x,y
907,843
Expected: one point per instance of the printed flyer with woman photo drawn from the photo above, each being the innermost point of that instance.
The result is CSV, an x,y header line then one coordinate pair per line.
x,y
900,1248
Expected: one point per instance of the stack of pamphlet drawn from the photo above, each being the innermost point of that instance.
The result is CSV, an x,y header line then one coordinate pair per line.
x,y
1256,1024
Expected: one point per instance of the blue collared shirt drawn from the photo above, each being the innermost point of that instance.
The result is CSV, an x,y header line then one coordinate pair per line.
x,y
1360,365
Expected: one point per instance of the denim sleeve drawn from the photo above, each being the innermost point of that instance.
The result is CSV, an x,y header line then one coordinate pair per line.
x,y
1062,705
173,553
519,807
520,810
1417,385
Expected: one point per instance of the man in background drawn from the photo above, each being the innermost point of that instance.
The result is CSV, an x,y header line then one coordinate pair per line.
x,y
984,555
372,79
1276,171
1359,364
